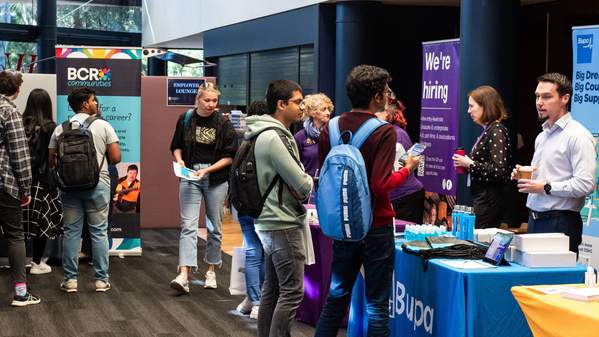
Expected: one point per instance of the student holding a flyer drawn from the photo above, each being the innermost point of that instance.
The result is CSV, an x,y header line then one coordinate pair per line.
x,y
204,141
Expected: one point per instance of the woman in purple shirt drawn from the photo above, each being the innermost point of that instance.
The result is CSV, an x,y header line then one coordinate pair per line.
x,y
318,109
407,199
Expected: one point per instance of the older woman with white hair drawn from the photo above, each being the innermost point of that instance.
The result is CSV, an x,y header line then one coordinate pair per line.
x,y
318,109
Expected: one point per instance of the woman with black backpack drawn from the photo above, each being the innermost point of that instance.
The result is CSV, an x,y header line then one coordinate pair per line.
x,y
42,218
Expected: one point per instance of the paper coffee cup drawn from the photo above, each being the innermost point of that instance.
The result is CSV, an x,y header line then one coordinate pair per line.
x,y
525,172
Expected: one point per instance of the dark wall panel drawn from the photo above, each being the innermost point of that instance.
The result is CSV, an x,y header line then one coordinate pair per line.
x,y
293,28
272,65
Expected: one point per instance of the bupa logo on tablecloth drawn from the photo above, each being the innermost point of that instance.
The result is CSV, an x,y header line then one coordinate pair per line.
x,y
89,77
415,310
584,50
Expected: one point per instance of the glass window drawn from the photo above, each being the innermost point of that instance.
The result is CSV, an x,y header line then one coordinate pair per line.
x,y
16,48
98,16
190,70
232,79
18,12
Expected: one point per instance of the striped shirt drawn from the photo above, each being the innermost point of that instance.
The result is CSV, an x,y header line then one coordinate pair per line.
x,y
15,166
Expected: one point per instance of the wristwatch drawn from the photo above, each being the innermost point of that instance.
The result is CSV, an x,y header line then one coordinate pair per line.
x,y
547,188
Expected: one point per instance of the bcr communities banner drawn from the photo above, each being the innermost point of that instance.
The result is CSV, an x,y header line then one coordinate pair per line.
x,y
115,75
585,109
439,126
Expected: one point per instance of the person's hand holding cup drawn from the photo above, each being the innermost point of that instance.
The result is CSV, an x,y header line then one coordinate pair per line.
x,y
522,172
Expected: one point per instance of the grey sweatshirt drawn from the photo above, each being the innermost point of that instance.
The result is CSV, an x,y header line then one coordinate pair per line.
x,y
272,158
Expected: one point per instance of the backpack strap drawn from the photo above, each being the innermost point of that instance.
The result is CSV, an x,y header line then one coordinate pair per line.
x,y
287,144
86,124
365,130
334,133
88,121
187,118
66,126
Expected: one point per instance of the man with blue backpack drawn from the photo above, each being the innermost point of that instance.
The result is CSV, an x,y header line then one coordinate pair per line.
x,y
357,152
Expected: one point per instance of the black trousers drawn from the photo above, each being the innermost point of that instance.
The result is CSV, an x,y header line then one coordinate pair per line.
x,y
10,221
567,222
489,204
410,207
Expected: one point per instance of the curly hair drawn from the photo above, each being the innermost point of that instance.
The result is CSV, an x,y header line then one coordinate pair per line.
x,y
364,82
396,109
10,82
312,103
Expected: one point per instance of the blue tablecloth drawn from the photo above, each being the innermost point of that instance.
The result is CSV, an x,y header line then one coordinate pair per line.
x,y
446,301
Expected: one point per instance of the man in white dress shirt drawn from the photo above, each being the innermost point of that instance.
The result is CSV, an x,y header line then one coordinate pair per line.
x,y
564,164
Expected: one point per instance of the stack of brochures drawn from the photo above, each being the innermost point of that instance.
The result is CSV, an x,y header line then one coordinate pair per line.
x,y
582,294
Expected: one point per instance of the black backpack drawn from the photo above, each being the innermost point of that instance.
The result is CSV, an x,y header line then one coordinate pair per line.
x,y
243,178
77,167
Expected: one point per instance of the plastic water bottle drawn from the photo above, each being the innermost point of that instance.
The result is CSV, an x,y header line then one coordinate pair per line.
x,y
408,233
455,220
471,224
420,234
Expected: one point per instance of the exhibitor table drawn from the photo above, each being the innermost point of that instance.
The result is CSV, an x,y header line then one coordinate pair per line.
x,y
555,316
447,301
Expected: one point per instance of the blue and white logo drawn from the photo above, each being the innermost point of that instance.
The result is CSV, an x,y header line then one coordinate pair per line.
x,y
584,50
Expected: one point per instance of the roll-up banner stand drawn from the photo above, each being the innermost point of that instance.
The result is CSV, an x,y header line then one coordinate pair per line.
x,y
115,75
585,108
439,127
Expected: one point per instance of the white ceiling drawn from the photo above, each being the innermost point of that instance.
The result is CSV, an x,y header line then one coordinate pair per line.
x,y
181,23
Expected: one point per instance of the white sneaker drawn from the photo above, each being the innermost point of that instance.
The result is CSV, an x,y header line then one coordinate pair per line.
x,y
42,268
102,286
69,286
245,307
210,280
254,313
180,284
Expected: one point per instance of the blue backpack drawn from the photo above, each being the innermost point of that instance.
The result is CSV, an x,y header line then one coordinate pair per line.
x,y
343,199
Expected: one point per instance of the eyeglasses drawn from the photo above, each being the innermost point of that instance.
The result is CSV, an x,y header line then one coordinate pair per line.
x,y
389,93
298,101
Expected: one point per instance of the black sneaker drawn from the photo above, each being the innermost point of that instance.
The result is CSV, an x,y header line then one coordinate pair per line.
x,y
23,301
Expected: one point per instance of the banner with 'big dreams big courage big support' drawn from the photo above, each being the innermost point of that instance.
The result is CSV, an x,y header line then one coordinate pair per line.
x,y
115,75
584,108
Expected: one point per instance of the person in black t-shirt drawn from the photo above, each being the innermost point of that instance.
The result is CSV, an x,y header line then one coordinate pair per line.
x,y
206,143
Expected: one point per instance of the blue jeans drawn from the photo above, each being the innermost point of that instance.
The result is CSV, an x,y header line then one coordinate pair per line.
x,y
567,222
91,206
283,289
377,253
190,198
254,259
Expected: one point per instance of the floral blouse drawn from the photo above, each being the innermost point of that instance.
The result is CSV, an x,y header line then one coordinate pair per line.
x,y
492,156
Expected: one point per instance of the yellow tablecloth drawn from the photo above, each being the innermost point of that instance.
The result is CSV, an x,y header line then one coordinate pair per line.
x,y
553,315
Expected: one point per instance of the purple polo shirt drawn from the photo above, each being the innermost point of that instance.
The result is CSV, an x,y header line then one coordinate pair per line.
x,y
412,184
308,149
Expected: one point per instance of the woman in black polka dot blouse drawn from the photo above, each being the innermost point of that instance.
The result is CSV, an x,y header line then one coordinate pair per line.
x,y
489,163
